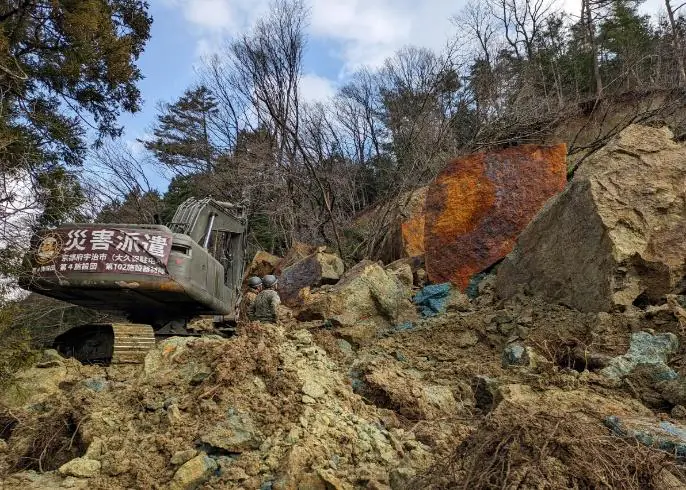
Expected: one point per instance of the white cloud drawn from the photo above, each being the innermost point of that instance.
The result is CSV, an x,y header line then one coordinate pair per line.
x,y
228,16
369,31
362,32
314,88
213,14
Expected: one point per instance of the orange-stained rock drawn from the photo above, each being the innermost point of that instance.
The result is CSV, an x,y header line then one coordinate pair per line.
x,y
478,205
412,229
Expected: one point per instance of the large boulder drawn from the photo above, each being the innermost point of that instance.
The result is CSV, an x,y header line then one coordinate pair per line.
x,y
262,264
615,236
314,270
366,292
295,254
478,205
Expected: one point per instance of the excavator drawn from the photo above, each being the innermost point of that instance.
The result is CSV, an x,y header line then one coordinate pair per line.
x,y
157,277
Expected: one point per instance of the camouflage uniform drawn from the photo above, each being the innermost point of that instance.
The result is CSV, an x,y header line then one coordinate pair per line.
x,y
265,307
246,304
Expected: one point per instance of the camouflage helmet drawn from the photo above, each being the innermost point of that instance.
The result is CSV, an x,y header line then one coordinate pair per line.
x,y
269,281
254,282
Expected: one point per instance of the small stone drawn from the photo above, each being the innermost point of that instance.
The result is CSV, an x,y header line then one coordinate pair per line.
x,y
180,457
199,377
679,412
313,389
235,473
3,446
80,468
466,339
95,449
515,355
49,364
235,435
69,482
194,472
169,402
174,415
115,464
308,400
95,384
293,436
522,332
345,347
51,355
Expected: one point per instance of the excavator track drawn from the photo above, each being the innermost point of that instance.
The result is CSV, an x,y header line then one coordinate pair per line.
x,y
132,341
107,343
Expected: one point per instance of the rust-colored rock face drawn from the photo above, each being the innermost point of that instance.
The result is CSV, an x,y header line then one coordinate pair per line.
x,y
478,205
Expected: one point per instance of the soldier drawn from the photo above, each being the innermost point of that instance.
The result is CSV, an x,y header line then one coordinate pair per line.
x,y
266,305
254,288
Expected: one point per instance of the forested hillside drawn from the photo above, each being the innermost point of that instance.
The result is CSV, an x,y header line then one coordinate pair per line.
x,y
513,72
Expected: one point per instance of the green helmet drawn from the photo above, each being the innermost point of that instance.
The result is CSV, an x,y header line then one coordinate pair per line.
x,y
254,282
269,281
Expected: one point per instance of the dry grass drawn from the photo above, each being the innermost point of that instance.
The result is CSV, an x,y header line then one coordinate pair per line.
x,y
42,443
523,450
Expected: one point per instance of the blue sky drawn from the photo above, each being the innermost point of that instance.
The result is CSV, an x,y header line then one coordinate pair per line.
x,y
343,36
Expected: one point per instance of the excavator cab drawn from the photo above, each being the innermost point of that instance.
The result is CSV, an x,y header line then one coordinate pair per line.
x,y
156,276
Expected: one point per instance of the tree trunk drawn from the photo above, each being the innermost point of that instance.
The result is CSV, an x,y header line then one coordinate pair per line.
x,y
590,30
677,44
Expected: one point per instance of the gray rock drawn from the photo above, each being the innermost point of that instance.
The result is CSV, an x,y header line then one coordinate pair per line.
x,y
654,433
95,384
645,348
199,377
615,233
515,355
345,347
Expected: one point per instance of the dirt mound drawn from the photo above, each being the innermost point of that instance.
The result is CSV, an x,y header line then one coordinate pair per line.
x,y
432,403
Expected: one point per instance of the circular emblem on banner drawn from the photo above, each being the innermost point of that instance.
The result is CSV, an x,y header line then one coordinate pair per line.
x,y
49,248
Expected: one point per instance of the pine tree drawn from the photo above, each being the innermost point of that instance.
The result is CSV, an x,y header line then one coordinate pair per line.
x,y
65,65
627,42
183,139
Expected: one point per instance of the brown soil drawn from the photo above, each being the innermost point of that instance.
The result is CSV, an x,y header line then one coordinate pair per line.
x,y
397,412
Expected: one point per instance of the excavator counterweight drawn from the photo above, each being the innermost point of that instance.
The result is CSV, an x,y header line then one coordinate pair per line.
x,y
156,276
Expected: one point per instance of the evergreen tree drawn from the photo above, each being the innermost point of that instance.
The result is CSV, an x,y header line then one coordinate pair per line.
x,y
63,62
627,42
183,136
